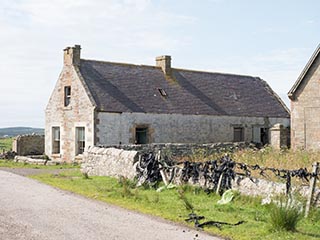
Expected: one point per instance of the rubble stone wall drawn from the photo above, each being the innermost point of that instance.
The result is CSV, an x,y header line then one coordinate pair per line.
x,y
183,149
99,161
109,162
28,145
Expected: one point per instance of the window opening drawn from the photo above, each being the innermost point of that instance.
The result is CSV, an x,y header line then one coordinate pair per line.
x,y
141,136
55,140
67,95
238,134
264,136
80,140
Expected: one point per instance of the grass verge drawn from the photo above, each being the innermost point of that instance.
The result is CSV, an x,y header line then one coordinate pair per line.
x,y
168,205
12,164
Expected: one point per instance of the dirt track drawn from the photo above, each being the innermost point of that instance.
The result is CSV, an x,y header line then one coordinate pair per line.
x,y
30,210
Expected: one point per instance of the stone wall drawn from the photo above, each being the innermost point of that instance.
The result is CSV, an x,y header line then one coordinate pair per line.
x,y
305,111
114,162
119,160
279,136
109,162
79,113
183,149
115,128
28,145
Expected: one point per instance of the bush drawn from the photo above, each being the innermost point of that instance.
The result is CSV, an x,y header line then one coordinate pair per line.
x,y
285,216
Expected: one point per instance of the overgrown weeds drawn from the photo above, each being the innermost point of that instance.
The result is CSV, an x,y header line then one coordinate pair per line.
x,y
285,215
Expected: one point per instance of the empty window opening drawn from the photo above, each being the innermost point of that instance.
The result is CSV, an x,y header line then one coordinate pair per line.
x,y
264,136
67,95
80,140
260,135
162,92
238,134
141,136
55,140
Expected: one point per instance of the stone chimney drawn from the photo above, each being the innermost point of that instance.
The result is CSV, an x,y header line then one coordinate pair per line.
x,y
71,55
165,63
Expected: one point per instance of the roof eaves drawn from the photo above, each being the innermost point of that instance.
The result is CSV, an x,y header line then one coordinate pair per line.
x,y
303,73
274,94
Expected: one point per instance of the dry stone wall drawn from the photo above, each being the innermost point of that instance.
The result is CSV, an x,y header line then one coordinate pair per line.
x,y
184,149
99,161
28,145
109,162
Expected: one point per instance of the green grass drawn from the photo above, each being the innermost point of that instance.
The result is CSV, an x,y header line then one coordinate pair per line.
x,y
6,144
12,164
170,205
285,217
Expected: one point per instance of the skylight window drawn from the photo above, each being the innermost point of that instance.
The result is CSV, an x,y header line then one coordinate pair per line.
x,y
162,92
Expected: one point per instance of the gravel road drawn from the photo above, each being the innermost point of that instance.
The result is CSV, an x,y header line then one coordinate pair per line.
x,y
30,210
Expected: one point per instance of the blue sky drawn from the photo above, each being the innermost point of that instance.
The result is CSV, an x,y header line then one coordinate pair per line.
x,y
270,39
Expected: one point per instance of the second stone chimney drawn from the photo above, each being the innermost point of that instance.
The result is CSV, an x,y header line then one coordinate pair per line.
x,y
71,55
165,63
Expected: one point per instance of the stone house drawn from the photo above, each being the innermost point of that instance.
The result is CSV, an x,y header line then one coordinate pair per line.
x,y
305,106
107,103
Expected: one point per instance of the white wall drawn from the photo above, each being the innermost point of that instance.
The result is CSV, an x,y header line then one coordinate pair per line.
x,y
114,128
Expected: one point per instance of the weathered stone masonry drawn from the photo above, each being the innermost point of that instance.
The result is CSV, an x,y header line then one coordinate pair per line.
x,y
305,106
28,145
79,113
115,128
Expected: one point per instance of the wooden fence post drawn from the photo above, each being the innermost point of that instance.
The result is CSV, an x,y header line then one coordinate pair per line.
x,y
313,181
219,183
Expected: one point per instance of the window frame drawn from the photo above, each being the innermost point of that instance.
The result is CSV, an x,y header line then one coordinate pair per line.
x,y
139,130
240,130
67,95
56,140
80,143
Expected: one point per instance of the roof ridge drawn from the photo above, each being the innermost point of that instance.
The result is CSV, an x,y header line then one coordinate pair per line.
x,y
220,73
179,69
120,63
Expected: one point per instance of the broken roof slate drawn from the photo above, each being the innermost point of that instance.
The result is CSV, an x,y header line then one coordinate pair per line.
x,y
117,87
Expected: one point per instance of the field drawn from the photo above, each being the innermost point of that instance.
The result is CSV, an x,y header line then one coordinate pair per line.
x,y
6,144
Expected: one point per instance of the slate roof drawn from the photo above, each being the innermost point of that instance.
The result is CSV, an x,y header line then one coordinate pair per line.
x,y
117,87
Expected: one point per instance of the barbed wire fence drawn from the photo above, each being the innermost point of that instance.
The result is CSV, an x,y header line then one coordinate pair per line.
x,y
217,174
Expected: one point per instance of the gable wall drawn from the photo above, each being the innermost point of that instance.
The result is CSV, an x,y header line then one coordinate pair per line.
x,y
78,114
305,111
113,128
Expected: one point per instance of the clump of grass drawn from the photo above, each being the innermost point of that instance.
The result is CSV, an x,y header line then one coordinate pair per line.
x,y
182,196
85,175
284,216
126,186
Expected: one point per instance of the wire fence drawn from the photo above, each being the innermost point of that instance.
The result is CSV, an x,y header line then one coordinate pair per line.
x,y
216,175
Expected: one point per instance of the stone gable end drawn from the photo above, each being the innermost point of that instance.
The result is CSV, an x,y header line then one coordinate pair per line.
x,y
79,113
305,110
